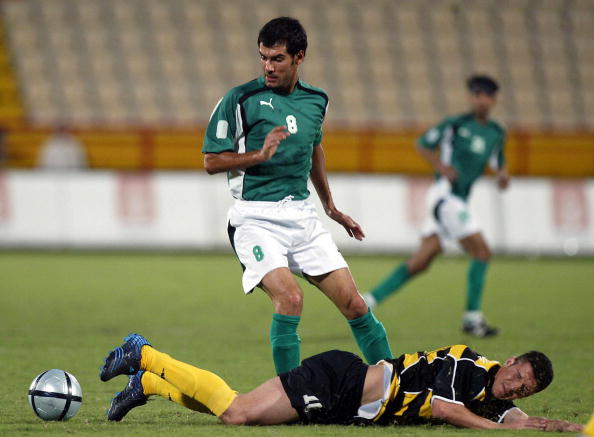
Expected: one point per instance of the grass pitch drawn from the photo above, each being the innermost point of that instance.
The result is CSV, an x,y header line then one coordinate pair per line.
x,y
67,310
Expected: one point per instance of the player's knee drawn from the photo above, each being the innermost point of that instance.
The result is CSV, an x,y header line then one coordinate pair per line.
x,y
483,254
290,302
418,265
356,307
234,415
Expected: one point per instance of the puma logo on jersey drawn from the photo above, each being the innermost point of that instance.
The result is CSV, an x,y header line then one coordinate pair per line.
x,y
264,103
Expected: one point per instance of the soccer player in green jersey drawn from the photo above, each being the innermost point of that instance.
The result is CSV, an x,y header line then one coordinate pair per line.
x,y
459,149
452,384
266,134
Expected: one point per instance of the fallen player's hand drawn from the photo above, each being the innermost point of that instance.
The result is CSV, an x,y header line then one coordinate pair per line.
x,y
351,226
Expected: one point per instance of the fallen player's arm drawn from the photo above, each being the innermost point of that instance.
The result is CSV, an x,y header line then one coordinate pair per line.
x,y
459,415
517,416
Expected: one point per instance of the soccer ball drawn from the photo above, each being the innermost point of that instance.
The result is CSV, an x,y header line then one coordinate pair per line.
x,y
55,395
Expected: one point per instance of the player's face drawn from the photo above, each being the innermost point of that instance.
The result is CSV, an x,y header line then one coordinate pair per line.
x,y
279,67
482,103
515,379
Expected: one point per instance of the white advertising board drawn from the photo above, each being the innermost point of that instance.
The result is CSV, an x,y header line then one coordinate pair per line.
x,y
187,210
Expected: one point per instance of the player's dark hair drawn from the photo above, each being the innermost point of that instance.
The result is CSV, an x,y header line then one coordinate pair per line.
x,y
482,84
541,367
284,30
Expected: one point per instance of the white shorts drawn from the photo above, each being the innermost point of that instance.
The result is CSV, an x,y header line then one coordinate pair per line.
x,y
448,216
269,235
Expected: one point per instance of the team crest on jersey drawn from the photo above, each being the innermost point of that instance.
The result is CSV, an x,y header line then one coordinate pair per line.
x,y
432,135
478,145
464,132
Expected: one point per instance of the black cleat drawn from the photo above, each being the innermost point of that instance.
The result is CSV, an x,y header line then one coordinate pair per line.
x,y
124,359
479,329
131,397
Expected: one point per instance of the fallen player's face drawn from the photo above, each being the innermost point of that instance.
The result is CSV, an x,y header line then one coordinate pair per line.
x,y
514,380
279,67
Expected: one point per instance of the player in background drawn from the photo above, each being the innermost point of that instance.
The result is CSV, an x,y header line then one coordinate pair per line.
x,y
452,384
266,134
458,149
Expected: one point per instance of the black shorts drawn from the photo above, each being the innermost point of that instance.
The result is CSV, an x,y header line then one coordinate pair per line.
x,y
327,388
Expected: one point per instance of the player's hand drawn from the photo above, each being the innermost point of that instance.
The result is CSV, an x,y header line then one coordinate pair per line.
x,y
538,423
271,142
503,180
562,426
449,172
350,225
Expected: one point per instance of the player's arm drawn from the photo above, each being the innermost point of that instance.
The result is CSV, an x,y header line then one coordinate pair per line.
x,y
432,156
517,417
499,165
320,181
459,415
225,161
428,146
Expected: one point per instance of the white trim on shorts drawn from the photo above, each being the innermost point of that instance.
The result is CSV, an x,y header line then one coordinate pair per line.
x,y
270,235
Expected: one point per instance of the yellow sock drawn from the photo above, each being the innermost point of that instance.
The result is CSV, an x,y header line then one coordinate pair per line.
x,y
153,385
589,429
201,385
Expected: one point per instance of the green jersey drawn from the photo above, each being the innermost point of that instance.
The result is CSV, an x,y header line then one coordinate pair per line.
x,y
240,123
467,145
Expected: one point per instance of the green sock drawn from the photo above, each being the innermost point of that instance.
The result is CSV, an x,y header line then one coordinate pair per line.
x,y
371,337
285,342
392,283
476,281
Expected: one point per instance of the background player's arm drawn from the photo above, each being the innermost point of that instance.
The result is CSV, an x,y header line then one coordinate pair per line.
x,y
320,182
225,161
502,178
433,158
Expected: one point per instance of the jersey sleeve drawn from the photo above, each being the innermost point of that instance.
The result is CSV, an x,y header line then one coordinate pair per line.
x,y
220,133
448,382
459,380
320,133
431,138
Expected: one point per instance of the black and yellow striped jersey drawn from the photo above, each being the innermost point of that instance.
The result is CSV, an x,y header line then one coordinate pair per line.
x,y
453,374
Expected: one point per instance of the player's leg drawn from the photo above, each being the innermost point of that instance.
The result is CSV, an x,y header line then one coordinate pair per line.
x,y
430,247
262,246
142,385
368,331
474,321
201,385
268,404
137,357
287,300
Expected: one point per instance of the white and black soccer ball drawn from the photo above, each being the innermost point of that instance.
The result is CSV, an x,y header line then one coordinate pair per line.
x,y
55,395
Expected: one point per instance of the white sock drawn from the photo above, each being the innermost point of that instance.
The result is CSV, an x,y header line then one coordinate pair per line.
x,y
473,317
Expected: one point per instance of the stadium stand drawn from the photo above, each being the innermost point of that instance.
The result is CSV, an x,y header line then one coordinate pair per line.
x,y
151,72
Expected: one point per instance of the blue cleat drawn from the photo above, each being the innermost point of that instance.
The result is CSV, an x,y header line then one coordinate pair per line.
x,y
125,359
131,397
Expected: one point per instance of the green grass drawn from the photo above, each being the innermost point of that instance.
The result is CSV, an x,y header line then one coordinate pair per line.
x,y
67,310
